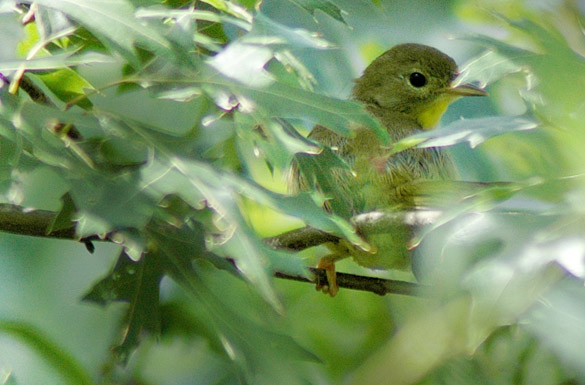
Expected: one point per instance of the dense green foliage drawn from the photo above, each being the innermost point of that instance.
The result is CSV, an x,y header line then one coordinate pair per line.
x,y
169,126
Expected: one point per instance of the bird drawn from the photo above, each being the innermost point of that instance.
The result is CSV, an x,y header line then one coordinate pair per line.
x,y
407,89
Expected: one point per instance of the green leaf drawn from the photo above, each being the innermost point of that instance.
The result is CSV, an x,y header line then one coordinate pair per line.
x,y
113,22
316,170
68,85
182,242
557,321
554,71
207,180
275,141
57,61
61,360
104,202
231,8
244,63
12,161
156,12
8,379
490,67
291,70
64,219
51,23
195,182
268,32
280,100
38,129
117,154
239,243
107,203
472,131
30,40
232,332
277,100
229,318
325,6
465,198
138,284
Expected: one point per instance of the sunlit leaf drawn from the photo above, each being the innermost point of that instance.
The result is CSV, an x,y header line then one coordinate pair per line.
x,y
268,32
56,61
31,38
9,379
472,131
112,21
52,23
194,14
490,67
67,85
231,8
245,63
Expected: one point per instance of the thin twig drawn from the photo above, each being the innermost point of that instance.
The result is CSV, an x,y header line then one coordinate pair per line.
x,y
380,286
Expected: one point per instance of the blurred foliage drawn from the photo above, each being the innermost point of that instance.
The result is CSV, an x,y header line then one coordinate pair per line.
x,y
172,123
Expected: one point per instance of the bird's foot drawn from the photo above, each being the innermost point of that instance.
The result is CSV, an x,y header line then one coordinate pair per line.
x,y
330,287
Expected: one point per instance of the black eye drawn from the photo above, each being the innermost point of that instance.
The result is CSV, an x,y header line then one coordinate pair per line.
x,y
417,79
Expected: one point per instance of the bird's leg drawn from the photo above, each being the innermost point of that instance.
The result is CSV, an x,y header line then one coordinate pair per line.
x,y
327,263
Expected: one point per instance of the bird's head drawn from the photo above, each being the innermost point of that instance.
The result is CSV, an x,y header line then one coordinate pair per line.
x,y
415,80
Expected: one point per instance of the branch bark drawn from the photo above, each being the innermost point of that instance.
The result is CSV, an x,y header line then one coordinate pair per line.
x,y
18,220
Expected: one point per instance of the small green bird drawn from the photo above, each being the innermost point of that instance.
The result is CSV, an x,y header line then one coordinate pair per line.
x,y
408,89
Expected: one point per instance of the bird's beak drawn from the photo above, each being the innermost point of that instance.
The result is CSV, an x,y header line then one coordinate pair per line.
x,y
466,90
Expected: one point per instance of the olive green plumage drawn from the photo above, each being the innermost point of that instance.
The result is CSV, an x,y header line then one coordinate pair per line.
x,y
386,93
408,88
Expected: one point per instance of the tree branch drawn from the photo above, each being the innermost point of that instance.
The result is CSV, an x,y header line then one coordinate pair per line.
x,y
18,220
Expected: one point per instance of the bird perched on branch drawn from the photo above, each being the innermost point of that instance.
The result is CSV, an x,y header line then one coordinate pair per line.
x,y
408,89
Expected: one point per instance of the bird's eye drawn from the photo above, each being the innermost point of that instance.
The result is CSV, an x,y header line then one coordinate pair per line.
x,y
417,79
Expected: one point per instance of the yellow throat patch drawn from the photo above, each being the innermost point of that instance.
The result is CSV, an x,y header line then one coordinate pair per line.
x,y
431,114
